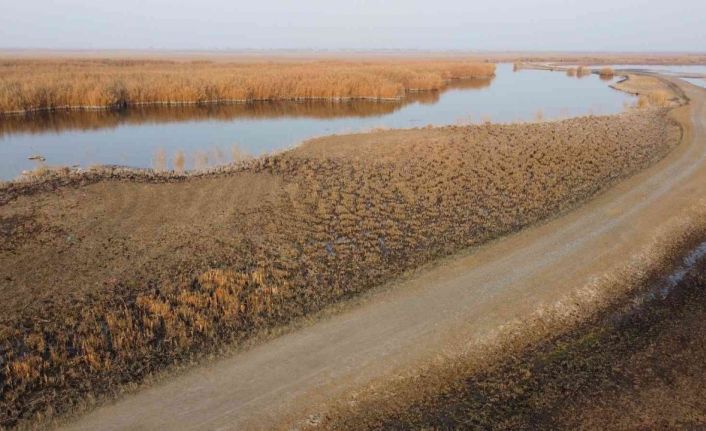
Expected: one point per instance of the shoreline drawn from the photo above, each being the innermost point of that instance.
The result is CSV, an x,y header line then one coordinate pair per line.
x,y
63,175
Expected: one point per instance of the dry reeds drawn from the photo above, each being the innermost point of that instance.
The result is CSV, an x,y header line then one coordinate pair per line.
x,y
582,71
27,85
179,162
657,98
607,73
571,71
159,161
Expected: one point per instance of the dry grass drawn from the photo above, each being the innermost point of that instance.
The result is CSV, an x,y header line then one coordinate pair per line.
x,y
582,71
159,161
657,98
27,85
624,354
140,272
606,73
179,162
289,56
600,58
652,91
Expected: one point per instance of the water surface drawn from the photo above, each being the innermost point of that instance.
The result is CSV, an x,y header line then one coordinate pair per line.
x,y
133,137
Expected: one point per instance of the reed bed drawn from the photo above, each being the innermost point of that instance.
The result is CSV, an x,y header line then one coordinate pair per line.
x,y
582,71
601,58
50,84
140,272
606,73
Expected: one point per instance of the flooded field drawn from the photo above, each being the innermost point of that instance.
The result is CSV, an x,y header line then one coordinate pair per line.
x,y
215,134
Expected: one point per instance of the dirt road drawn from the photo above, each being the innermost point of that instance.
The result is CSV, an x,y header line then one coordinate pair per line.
x,y
467,297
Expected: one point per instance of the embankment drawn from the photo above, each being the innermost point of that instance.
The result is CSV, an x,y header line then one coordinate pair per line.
x,y
107,280
625,352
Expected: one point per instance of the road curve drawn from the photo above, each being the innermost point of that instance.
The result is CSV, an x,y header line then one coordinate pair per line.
x,y
470,294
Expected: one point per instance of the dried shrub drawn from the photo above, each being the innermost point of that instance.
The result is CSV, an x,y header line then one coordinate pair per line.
x,y
179,162
607,73
159,161
582,71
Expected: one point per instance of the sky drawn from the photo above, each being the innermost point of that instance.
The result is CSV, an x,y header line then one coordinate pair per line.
x,y
495,25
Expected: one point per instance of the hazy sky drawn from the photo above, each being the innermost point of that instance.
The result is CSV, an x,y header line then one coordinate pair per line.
x,y
635,25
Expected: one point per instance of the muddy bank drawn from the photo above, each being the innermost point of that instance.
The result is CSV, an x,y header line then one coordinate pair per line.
x,y
109,280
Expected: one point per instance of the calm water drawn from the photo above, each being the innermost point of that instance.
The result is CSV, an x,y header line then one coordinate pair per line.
x,y
134,137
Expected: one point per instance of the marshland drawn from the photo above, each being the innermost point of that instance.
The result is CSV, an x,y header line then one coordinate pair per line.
x,y
167,217
136,135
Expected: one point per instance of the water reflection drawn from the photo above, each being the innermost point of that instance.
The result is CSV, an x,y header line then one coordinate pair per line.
x,y
43,122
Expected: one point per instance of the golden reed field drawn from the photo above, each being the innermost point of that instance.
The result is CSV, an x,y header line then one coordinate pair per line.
x,y
114,275
62,83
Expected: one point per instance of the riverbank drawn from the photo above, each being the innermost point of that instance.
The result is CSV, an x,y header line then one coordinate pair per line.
x,y
111,278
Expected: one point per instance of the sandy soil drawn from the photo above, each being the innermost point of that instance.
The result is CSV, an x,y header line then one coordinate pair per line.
x,y
428,312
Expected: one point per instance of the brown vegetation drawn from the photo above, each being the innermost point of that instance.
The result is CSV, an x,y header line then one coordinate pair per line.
x,y
606,73
657,98
109,277
631,357
652,91
40,84
599,58
582,71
